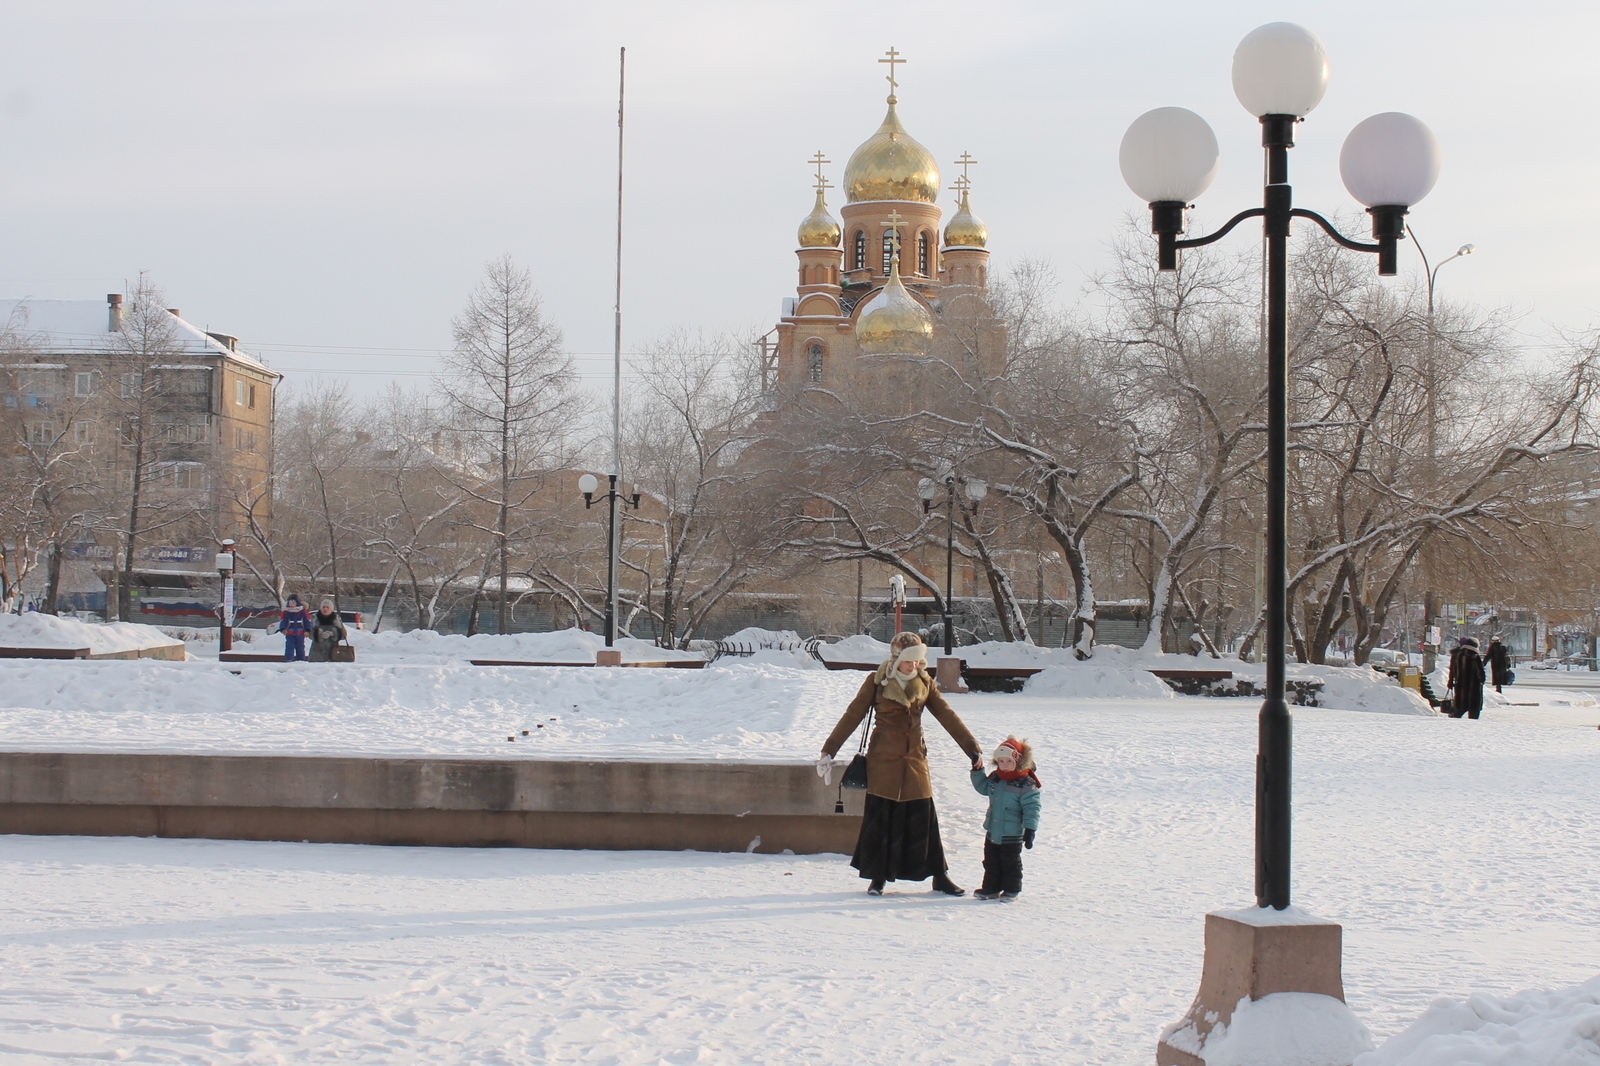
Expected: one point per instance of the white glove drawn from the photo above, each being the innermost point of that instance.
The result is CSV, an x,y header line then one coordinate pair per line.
x,y
825,768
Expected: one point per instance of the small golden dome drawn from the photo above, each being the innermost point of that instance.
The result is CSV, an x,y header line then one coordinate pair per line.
x,y
889,165
894,323
965,230
819,230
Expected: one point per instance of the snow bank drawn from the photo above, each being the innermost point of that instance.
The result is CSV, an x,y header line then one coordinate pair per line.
x,y
565,645
859,648
1288,1029
744,711
34,630
1528,1029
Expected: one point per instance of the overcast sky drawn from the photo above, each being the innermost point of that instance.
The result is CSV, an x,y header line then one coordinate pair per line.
x,y
326,180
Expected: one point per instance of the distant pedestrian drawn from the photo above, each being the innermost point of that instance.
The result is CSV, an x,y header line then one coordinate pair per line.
x,y
1465,679
327,631
1013,818
899,838
294,624
1498,659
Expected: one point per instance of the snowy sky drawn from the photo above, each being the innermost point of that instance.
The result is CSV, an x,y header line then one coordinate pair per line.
x,y
326,180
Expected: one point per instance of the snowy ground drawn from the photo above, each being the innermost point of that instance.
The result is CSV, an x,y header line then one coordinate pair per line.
x,y
1460,857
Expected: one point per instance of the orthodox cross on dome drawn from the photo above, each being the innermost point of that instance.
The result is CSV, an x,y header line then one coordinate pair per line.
x,y
893,222
818,161
964,162
962,184
892,60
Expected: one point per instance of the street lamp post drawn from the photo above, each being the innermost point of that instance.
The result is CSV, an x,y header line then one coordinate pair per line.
x,y
1169,157
588,484
225,610
1431,603
975,490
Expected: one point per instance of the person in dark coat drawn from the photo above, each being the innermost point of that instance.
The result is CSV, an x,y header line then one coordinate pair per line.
x,y
1498,660
899,838
326,631
294,624
1465,679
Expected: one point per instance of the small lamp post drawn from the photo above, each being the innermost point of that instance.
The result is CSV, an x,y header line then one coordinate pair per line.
x,y
588,484
1389,162
949,675
897,593
225,572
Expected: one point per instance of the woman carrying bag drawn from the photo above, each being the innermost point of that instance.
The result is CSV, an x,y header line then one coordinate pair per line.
x,y
899,828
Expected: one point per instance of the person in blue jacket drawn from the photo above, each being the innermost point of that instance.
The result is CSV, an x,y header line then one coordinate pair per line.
x,y
293,625
1013,818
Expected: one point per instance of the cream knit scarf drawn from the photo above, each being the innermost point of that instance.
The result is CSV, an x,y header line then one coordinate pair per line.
x,y
897,686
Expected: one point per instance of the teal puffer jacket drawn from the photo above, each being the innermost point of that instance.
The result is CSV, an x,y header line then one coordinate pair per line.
x,y
1013,806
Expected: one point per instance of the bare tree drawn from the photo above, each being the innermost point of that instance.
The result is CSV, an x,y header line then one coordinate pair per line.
x,y
510,388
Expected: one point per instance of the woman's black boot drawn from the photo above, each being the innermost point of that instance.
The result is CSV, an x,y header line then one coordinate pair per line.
x,y
942,883
876,888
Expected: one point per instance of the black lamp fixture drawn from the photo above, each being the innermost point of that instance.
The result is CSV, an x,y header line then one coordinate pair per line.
x,y
588,484
1390,161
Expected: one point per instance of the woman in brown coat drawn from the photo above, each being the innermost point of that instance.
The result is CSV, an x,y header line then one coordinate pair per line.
x,y
899,829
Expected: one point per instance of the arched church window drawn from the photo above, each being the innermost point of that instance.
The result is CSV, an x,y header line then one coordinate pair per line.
x,y
861,250
922,253
888,251
814,363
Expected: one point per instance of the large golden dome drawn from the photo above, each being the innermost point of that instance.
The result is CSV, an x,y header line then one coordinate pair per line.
x,y
894,323
819,230
890,165
965,229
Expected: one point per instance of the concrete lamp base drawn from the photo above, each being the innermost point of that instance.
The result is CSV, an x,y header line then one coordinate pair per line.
x,y
608,657
948,674
1251,954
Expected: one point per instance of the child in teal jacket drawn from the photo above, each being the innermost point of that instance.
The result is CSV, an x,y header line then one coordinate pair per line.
x,y
1013,819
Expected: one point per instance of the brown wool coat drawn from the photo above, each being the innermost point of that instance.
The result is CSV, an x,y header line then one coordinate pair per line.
x,y
897,755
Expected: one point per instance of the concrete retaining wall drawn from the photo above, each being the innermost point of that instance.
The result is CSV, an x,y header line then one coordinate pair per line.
x,y
708,806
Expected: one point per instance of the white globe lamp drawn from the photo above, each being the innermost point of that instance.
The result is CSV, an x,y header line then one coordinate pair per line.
x,y
1169,154
1280,69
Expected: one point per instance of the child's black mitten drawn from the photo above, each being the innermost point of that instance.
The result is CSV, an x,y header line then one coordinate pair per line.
x,y
1027,839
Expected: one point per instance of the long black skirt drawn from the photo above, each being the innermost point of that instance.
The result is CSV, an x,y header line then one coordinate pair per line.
x,y
899,841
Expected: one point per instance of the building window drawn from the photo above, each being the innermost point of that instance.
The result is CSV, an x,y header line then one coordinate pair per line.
x,y
83,432
888,252
131,384
41,432
83,383
252,398
814,363
861,250
188,475
239,394
922,254
244,440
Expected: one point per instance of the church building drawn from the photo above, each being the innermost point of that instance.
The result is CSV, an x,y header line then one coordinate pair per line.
x,y
882,282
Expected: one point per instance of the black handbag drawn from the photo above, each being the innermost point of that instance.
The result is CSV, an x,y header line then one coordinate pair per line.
x,y
855,775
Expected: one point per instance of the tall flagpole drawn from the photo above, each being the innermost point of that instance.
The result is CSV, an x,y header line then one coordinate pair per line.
x,y
614,546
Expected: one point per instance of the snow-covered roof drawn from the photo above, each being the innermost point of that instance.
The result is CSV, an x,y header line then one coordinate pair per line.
x,y
71,326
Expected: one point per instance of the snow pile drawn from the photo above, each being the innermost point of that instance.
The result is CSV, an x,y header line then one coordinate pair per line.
x,y
1528,1029
561,646
1286,1029
35,630
859,648
1360,688
744,711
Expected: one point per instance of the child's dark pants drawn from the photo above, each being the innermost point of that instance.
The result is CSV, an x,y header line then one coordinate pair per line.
x,y
1002,867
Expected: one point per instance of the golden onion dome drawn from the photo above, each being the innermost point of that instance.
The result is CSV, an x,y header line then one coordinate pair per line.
x,y
819,230
965,230
894,323
891,166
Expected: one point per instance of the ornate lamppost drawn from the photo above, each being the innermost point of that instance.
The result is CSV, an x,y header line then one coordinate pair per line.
x,y
949,667
1389,162
588,484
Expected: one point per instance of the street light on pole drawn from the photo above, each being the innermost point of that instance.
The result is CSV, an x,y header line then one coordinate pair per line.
x,y
225,610
1431,604
588,484
1168,157
949,675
